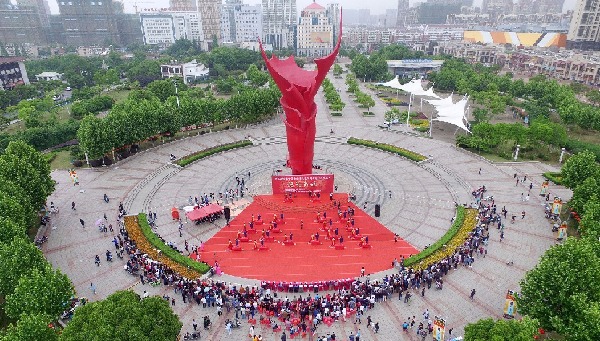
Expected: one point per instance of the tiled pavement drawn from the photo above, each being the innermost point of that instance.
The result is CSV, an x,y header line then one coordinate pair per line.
x,y
420,209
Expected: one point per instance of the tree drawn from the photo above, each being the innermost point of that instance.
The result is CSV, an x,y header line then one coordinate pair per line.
x,y
44,292
11,209
19,258
145,72
123,316
162,89
30,170
9,230
590,221
257,77
578,168
500,330
586,192
31,327
563,290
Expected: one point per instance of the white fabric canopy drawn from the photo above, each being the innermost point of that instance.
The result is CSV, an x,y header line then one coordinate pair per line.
x,y
414,87
454,114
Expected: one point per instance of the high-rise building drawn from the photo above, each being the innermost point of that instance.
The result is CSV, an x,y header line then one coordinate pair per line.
x,y
496,8
21,24
42,8
584,32
241,23
182,5
210,13
391,15
87,23
279,18
364,16
403,6
315,32
335,16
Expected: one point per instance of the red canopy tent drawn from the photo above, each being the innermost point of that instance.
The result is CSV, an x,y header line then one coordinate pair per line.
x,y
203,212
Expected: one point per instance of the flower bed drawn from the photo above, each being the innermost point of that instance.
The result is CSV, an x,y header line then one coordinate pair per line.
x,y
388,148
148,242
465,222
186,160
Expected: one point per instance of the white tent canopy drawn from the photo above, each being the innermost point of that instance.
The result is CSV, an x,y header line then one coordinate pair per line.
x,y
414,87
454,114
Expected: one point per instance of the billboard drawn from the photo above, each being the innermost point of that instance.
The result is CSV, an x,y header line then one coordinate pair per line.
x,y
321,37
302,183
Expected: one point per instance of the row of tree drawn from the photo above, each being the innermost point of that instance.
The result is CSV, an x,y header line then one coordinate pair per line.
x,y
562,293
91,106
539,96
143,115
33,292
332,97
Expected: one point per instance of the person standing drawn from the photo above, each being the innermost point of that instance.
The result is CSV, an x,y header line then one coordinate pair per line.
x,y
73,205
93,288
82,222
472,294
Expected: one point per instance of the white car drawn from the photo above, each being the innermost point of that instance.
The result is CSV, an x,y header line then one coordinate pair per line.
x,y
68,88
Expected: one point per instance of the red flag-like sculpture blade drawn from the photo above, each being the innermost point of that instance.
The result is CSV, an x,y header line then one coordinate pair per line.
x,y
298,88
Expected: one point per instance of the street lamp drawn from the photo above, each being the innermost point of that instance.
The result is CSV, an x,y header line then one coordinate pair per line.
x,y
176,93
517,152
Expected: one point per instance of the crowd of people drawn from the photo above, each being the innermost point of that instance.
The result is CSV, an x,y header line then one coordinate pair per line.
x,y
307,310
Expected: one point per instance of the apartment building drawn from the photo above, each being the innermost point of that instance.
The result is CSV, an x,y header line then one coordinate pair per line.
x,y
315,32
279,19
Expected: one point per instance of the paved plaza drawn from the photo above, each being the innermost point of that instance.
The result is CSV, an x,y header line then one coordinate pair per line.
x,y
417,202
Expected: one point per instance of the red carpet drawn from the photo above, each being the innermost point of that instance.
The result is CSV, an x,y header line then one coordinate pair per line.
x,y
303,262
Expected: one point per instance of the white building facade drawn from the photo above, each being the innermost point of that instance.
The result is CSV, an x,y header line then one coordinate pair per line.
x,y
315,32
166,27
241,23
279,19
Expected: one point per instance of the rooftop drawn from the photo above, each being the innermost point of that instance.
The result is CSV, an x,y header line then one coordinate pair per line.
x,y
314,6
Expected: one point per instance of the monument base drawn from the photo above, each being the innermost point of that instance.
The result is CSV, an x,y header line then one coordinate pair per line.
x,y
318,184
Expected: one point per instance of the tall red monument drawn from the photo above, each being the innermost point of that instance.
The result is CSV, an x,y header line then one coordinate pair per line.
x,y
298,88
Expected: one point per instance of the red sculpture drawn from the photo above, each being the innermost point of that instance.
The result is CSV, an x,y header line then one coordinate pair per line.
x,y
298,88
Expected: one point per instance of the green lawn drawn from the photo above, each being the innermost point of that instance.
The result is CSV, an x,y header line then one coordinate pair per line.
x,y
118,95
62,160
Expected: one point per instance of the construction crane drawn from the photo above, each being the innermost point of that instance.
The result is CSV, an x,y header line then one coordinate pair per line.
x,y
135,5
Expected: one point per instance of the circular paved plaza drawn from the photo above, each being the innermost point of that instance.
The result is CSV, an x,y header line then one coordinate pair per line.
x,y
419,209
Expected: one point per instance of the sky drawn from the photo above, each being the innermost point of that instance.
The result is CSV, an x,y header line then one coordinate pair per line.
x,y
376,7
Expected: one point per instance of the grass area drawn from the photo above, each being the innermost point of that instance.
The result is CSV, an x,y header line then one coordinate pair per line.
x,y
584,135
388,148
368,114
186,160
118,95
61,160
336,114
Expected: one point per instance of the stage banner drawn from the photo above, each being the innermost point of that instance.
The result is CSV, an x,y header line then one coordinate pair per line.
x,y
557,205
439,328
302,183
562,231
544,189
510,305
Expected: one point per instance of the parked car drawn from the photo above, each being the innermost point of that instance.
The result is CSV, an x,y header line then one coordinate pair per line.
x,y
68,88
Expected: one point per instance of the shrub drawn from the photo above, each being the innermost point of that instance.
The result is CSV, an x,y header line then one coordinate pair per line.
x,y
186,160
554,177
388,148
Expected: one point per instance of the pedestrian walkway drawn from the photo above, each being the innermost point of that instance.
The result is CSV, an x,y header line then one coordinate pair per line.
x,y
417,202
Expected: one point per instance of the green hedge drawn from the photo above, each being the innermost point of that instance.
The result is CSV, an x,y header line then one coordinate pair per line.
x,y
388,148
554,177
186,160
166,249
336,114
460,217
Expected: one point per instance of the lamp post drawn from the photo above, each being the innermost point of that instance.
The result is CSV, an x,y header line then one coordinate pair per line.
x,y
562,155
176,92
517,152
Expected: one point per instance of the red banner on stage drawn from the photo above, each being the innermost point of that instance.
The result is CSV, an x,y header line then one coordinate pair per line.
x,y
302,183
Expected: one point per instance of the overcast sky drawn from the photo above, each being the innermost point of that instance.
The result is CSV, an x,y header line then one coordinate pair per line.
x,y
376,7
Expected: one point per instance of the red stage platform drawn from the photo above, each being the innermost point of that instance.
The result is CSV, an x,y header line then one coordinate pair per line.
x,y
304,261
